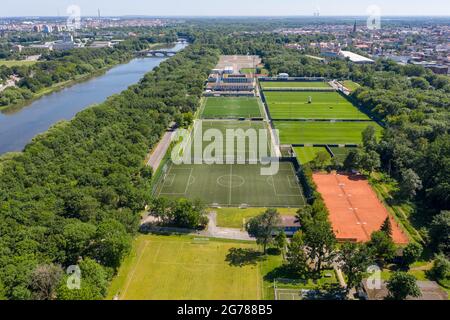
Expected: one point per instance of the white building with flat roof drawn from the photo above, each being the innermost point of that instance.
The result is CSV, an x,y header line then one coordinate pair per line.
x,y
355,58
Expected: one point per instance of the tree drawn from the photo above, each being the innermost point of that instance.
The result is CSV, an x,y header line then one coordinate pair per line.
x,y
2,291
336,163
319,242
182,213
44,281
93,282
410,183
382,246
353,159
411,253
304,215
179,119
386,227
161,208
369,138
420,83
354,259
440,232
281,240
369,161
184,120
441,268
263,227
401,285
188,119
146,172
78,236
112,243
296,256
188,214
310,213
321,158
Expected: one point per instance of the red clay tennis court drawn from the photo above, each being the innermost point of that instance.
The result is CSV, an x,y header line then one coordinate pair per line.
x,y
355,210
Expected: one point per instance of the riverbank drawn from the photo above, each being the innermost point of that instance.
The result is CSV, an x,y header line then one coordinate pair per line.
x,y
59,86
19,124
78,79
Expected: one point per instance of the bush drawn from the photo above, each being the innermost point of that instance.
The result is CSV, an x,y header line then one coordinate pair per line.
x,y
441,268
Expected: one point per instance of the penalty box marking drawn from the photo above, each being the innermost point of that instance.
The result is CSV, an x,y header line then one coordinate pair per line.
x,y
270,180
187,181
168,181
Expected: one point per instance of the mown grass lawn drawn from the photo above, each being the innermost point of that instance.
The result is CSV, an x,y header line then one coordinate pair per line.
x,y
179,268
234,217
218,107
307,154
13,63
296,132
324,105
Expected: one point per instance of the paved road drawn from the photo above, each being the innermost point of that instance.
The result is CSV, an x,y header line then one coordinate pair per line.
x,y
160,151
225,233
339,87
212,230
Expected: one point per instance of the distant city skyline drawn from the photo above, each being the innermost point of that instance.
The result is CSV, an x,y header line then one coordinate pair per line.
x,y
225,8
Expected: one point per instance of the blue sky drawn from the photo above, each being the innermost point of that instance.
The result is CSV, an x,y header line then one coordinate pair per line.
x,y
224,7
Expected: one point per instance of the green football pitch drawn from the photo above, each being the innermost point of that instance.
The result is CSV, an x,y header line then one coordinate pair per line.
x,y
186,268
299,132
324,105
216,139
308,154
233,185
294,84
218,107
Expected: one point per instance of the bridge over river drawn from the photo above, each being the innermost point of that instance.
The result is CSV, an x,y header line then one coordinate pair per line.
x,y
156,53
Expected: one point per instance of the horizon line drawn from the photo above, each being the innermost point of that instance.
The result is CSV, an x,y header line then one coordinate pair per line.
x,y
238,16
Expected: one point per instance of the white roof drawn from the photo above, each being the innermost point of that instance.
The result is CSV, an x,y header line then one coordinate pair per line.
x,y
355,57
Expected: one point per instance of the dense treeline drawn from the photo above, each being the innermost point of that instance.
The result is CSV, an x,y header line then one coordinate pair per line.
x,y
75,193
271,48
416,110
415,149
60,66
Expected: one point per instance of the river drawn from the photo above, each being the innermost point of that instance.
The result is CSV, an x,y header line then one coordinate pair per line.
x,y
17,128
